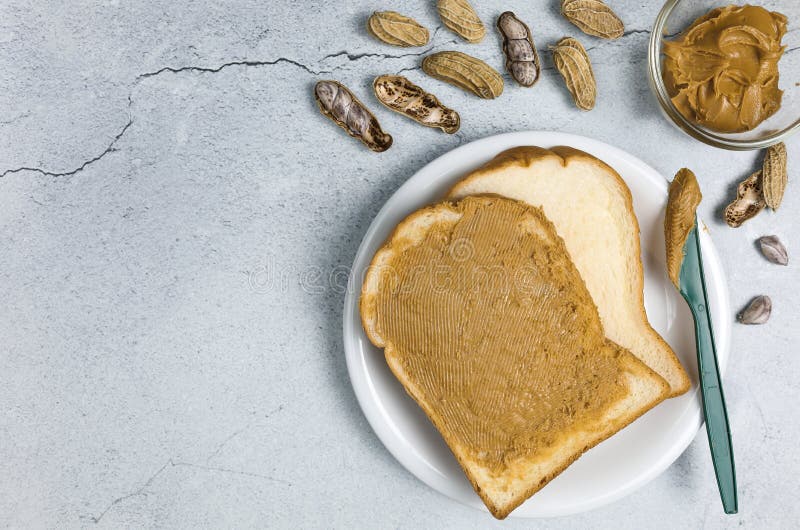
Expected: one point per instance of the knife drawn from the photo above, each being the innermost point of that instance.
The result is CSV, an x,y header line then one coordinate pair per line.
x,y
693,288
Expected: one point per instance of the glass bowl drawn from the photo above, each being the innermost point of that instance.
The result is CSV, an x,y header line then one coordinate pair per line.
x,y
676,16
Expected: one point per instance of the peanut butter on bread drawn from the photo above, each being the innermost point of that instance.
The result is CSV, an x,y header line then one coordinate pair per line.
x,y
592,210
488,325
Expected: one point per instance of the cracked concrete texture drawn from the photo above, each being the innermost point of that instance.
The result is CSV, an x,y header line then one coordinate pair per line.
x,y
170,197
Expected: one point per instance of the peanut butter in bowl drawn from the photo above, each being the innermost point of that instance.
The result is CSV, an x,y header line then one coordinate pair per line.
x,y
721,73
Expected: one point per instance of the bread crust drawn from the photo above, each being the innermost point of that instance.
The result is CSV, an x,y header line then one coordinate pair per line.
x,y
526,156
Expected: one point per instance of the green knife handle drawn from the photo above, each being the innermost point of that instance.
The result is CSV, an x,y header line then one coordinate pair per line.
x,y
719,436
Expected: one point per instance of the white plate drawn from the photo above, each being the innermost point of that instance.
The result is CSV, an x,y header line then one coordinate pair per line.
x,y
617,466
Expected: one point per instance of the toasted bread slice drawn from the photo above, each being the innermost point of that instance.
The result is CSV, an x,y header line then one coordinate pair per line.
x,y
512,367
592,210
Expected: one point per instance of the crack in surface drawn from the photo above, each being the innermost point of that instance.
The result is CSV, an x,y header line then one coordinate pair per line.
x,y
171,463
233,435
15,118
408,69
624,35
232,472
357,56
224,442
136,493
141,491
351,57
221,67
109,149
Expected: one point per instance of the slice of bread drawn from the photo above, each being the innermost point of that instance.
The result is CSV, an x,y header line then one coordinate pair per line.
x,y
517,376
592,210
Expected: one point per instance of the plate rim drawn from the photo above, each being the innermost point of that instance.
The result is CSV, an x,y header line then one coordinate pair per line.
x,y
376,416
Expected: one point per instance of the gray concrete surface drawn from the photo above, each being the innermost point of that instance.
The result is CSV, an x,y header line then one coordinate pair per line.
x,y
158,157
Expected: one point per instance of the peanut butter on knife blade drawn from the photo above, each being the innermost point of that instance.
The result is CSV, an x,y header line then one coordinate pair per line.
x,y
684,196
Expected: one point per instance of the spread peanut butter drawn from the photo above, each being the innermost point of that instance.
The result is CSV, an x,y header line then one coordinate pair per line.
x,y
493,326
722,71
684,196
